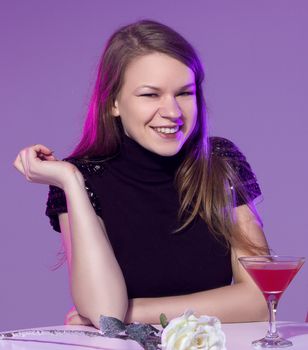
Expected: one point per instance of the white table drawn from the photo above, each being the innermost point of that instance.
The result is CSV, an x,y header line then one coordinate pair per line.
x,y
238,335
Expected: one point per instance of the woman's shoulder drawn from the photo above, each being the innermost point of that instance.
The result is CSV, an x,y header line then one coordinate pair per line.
x,y
90,166
229,153
56,201
225,148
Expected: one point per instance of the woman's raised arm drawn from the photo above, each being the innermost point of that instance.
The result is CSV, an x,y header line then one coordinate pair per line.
x,y
97,283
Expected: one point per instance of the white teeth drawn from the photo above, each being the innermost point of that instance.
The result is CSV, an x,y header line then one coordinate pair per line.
x,y
168,130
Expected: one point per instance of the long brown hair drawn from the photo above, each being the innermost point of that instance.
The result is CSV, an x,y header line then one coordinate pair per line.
x,y
204,181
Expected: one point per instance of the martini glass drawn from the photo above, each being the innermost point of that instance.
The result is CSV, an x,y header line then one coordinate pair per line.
x,y
272,274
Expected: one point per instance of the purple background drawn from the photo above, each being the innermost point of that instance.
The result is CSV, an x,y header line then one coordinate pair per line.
x,y
255,54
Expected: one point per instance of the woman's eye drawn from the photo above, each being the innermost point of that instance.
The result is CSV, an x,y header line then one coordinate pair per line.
x,y
149,95
186,93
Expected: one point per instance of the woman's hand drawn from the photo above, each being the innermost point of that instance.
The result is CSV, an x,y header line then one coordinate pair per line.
x,y
73,318
38,164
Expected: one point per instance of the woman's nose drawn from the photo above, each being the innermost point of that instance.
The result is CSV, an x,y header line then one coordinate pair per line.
x,y
170,108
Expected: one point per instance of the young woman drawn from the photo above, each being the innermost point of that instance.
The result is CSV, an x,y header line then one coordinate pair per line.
x,y
153,212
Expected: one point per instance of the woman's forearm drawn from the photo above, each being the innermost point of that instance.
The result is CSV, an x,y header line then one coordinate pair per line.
x,y
97,282
239,302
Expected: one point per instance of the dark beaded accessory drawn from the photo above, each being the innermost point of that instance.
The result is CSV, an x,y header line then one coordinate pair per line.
x,y
56,202
226,149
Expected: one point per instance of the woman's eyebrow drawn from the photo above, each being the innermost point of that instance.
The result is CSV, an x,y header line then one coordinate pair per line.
x,y
158,89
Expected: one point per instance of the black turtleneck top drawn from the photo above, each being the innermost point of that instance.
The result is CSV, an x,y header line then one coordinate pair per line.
x,y
135,195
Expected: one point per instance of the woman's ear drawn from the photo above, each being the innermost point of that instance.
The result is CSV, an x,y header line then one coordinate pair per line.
x,y
115,109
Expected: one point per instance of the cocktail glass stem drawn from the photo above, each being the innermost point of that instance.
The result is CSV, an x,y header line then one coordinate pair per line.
x,y
272,338
272,308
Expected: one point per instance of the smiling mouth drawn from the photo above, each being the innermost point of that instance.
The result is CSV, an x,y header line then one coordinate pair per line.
x,y
167,130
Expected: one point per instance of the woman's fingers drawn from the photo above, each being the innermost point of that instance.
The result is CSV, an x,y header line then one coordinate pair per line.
x,y
18,164
71,315
73,318
24,157
42,156
41,149
71,312
37,153
78,320
28,157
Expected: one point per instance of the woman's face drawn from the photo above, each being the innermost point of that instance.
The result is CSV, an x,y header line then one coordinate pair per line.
x,y
157,103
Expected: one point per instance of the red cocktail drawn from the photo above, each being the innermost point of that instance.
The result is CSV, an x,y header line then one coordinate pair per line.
x,y
272,274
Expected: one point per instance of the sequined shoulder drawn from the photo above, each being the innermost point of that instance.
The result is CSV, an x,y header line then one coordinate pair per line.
x,y
56,202
227,150
89,166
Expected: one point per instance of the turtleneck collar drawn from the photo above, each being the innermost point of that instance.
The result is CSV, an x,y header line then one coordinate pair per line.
x,y
138,163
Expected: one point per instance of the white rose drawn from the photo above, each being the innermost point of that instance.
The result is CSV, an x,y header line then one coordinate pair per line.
x,y
191,333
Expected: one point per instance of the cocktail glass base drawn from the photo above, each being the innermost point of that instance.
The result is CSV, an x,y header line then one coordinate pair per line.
x,y
271,343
